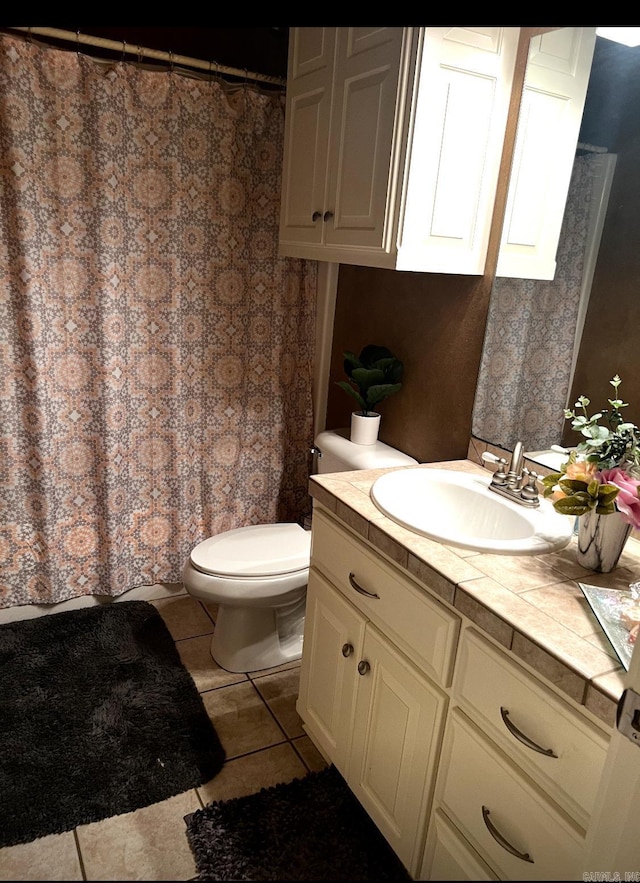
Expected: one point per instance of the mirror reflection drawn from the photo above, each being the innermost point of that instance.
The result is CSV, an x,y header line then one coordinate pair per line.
x,y
548,342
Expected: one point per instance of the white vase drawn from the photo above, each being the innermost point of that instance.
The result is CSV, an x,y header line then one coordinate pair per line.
x,y
601,539
364,428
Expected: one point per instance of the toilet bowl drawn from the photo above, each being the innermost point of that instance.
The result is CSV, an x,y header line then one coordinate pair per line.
x,y
257,575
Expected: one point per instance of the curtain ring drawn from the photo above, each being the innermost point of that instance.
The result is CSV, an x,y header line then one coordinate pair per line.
x,y
124,51
78,42
170,61
140,54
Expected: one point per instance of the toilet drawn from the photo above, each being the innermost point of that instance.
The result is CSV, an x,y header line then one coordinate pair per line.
x,y
257,575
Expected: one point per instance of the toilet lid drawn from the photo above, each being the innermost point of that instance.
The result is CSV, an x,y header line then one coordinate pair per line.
x,y
257,550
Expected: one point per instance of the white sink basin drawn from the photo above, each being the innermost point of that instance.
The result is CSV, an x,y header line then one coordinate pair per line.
x,y
457,508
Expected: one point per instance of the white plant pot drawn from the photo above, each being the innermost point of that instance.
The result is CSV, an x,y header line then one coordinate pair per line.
x,y
364,429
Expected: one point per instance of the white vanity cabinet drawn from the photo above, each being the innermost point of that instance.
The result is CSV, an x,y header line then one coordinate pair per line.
x,y
365,698
393,141
472,765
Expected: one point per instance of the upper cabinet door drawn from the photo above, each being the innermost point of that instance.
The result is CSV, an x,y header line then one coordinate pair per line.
x,y
364,116
551,110
306,139
461,108
346,92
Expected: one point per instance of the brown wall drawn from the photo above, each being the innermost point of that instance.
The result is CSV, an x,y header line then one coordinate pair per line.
x,y
435,325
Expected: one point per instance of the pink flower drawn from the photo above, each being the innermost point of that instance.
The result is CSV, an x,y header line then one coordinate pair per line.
x,y
581,471
627,502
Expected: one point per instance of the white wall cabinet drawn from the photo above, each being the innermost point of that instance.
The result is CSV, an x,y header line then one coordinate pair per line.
x,y
393,140
469,764
551,109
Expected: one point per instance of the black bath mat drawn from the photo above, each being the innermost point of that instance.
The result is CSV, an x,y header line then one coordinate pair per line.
x,y
98,716
308,829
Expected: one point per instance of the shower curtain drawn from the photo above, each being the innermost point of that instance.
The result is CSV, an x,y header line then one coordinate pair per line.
x,y
156,353
526,365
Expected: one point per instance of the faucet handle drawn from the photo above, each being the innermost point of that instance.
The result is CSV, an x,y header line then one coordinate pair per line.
x,y
488,457
500,475
530,489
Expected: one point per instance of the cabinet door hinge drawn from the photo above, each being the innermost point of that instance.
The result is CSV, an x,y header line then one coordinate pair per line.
x,y
628,715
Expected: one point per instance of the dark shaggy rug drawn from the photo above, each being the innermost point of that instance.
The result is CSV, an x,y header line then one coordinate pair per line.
x,y
308,829
98,716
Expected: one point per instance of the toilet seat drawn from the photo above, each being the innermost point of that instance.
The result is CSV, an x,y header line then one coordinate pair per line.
x,y
254,552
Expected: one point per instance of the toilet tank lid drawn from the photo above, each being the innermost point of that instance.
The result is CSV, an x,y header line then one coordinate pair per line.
x,y
256,550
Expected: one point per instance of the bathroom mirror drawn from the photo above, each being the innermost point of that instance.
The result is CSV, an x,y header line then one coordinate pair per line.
x,y
548,342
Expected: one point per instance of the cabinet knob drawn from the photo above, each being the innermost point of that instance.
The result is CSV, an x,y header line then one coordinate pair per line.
x,y
327,216
363,667
316,216
347,650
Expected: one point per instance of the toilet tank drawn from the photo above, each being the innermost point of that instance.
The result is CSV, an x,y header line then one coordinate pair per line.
x,y
337,454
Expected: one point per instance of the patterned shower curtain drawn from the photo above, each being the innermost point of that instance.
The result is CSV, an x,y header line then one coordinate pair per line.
x,y
525,371
156,353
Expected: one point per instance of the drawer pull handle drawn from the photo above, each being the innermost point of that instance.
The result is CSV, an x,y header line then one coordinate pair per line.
x,y
520,736
347,650
497,836
354,585
363,667
316,216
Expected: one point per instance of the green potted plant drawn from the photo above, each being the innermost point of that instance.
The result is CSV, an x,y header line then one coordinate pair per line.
x,y
374,375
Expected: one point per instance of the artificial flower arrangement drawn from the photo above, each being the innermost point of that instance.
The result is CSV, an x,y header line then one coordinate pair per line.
x,y
602,474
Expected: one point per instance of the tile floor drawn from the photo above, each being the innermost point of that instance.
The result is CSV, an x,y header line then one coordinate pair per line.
x,y
255,717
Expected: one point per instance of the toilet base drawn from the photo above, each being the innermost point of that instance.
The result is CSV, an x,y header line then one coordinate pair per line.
x,y
252,638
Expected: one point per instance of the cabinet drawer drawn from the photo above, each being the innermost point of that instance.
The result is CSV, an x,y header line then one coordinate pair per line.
x,y
420,626
448,856
502,813
513,707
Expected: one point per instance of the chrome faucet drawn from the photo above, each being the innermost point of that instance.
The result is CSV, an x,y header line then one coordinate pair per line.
x,y
514,475
514,482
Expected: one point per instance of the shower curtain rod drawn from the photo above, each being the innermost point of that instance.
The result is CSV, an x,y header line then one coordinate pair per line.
x,y
211,67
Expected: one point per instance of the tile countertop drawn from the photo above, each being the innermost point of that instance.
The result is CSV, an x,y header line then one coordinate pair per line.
x,y
532,605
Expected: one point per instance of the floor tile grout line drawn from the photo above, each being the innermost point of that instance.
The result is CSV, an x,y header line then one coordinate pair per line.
x,y
79,851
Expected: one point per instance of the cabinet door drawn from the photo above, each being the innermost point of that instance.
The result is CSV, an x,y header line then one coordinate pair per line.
x,y
365,105
333,645
551,109
396,740
306,138
461,107
346,125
